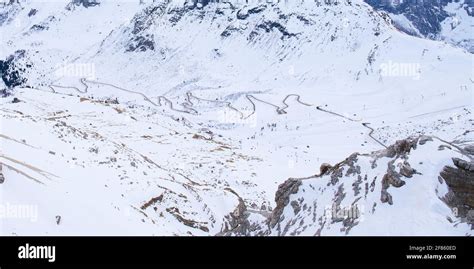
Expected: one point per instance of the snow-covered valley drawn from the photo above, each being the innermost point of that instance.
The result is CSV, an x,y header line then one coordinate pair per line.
x,y
181,118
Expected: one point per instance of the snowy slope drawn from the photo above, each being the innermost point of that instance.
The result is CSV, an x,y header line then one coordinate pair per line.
x,y
174,118
393,191
458,28
449,20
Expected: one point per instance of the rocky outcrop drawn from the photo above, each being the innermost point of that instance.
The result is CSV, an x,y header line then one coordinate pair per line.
x,y
401,147
141,43
2,177
324,168
12,71
469,149
426,17
460,180
238,221
86,3
141,38
349,194
464,165
282,199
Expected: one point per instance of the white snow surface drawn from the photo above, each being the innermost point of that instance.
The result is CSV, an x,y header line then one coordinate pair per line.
x,y
140,166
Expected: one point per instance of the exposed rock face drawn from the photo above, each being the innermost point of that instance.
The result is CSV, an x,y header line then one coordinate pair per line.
x,y
460,180
282,198
12,72
2,178
238,220
141,38
406,170
469,149
141,43
426,17
401,147
325,167
351,193
464,165
86,3
243,14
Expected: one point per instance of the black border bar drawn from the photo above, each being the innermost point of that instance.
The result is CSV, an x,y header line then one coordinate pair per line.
x,y
241,250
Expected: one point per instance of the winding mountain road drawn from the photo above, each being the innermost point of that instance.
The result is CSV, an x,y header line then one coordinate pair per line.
x,y
145,97
188,104
366,125
190,95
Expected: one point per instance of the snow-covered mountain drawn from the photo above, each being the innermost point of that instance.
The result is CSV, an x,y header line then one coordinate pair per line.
x,y
448,20
188,117
369,194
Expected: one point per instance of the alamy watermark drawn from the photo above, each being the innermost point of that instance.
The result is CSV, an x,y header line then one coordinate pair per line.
x,y
19,211
77,70
338,213
241,117
37,252
398,69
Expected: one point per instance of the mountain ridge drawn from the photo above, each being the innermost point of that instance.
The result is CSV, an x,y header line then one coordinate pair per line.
x,y
167,118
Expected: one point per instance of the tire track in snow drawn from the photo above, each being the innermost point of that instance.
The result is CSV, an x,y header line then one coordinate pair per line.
x,y
22,173
190,95
45,174
188,104
365,124
86,87
336,114
279,110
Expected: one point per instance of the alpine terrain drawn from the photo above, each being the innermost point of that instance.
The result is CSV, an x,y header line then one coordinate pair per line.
x,y
236,118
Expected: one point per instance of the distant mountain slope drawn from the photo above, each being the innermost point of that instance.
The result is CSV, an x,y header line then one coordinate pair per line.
x,y
448,20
